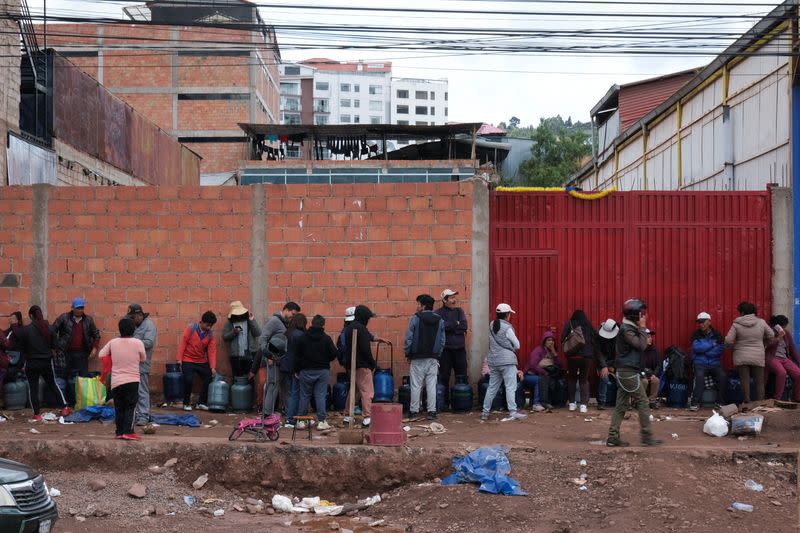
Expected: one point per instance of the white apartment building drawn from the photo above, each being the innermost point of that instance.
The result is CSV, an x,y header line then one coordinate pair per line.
x,y
419,102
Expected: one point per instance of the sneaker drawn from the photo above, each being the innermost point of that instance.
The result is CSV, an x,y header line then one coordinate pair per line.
x,y
432,415
37,418
548,406
202,407
187,407
366,422
616,443
652,405
484,417
584,409
288,425
118,437
346,420
412,417
142,422
573,406
322,426
650,441
694,407
66,411
301,425
131,436
516,415
601,407
537,408
176,405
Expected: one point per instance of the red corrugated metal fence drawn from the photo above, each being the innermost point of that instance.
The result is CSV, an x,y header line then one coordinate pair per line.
x,y
682,252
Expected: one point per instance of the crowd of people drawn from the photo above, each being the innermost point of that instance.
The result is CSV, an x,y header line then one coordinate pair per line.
x,y
290,357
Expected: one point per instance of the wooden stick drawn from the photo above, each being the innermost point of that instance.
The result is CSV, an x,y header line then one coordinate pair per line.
x,y
352,407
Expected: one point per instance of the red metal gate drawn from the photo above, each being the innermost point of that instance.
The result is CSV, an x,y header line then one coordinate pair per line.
x,y
682,252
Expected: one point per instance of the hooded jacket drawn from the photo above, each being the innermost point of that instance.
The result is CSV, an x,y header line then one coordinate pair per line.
x,y
791,349
539,353
273,325
230,335
502,345
314,350
631,343
707,348
425,336
364,357
651,361
749,336
146,332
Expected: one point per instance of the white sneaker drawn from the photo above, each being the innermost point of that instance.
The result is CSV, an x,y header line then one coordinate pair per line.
x,y
346,420
288,426
573,406
300,425
584,409
516,415
537,408
366,422
187,407
322,426
202,407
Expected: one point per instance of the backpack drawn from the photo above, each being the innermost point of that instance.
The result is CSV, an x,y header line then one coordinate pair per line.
x,y
341,349
675,364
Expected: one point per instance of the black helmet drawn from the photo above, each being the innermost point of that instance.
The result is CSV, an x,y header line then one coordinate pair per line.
x,y
633,309
278,344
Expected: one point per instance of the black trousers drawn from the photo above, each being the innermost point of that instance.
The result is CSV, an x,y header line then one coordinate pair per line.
x,y
36,368
125,399
189,370
77,365
452,359
240,366
720,380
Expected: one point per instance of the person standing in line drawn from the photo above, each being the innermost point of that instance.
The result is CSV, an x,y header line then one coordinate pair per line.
x,y
707,349
242,333
276,324
8,344
605,355
341,342
197,354
78,339
146,332
36,346
578,362
365,361
423,345
502,359
314,352
631,343
749,337
454,355
289,384
783,358
123,357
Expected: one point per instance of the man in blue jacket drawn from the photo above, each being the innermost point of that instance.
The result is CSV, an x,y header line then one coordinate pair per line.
x,y
707,348
423,346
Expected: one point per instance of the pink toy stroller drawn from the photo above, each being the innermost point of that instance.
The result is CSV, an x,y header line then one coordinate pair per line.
x,y
264,427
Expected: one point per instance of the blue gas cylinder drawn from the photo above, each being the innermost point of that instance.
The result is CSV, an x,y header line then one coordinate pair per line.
x,y
339,394
384,385
678,395
461,395
173,383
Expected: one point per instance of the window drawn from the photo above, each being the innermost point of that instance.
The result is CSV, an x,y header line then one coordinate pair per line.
x,y
320,120
375,105
433,95
344,119
375,89
356,119
344,102
402,123
375,65
421,95
291,71
374,120
321,86
290,118
402,110
356,88
293,152
356,103
290,103
290,88
445,97
402,94
433,110
421,123
445,111
344,87
421,110
321,105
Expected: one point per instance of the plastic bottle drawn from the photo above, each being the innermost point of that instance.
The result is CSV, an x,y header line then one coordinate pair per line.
x,y
752,485
746,507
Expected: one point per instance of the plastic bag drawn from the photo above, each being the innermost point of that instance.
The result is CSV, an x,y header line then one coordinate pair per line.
x,y
489,467
89,392
747,424
716,426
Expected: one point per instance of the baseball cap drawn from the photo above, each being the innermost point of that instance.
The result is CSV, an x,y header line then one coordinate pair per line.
x,y
78,303
609,329
504,308
135,308
703,316
349,314
649,331
448,292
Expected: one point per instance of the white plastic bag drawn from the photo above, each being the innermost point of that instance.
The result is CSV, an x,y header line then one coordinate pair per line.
x,y
716,426
282,503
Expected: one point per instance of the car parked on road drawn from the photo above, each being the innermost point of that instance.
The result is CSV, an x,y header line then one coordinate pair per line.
x,y
25,503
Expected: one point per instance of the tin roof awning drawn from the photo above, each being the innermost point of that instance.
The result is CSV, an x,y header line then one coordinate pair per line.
x,y
371,131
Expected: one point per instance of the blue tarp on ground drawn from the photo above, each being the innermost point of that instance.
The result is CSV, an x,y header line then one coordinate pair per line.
x,y
94,412
176,420
489,467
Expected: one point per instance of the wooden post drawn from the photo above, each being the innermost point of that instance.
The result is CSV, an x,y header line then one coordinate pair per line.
x,y
474,142
385,151
352,407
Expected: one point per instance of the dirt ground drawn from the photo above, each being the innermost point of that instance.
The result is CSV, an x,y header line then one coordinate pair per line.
x,y
688,484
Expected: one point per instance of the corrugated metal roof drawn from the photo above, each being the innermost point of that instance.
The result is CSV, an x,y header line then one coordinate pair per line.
x,y
638,99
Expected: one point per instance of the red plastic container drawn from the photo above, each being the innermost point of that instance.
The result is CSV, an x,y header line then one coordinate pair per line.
x,y
386,428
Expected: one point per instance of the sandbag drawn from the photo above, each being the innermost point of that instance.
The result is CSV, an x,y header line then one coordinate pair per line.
x,y
716,426
89,392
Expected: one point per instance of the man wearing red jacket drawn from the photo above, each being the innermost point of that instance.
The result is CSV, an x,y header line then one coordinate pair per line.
x,y
197,354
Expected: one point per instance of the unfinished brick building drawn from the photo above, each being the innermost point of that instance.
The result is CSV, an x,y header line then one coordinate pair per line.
x,y
204,70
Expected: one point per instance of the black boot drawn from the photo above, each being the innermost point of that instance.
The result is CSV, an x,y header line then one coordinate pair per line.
x,y
616,442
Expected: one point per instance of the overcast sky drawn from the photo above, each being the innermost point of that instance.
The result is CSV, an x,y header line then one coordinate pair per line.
x,y
493,87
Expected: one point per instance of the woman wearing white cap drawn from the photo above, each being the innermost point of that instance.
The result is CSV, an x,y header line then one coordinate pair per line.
x,y
605,354
502,359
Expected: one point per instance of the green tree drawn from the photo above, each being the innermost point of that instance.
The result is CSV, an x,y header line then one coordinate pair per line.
x,y
555,155
513,122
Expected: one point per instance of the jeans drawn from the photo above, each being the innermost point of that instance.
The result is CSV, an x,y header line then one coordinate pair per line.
x,y
577,372
780,367
285,380
700,372
143,405
270,389
630,387
125,398
507,375
292,400
316,382
424,371
602,390
531,382
189,370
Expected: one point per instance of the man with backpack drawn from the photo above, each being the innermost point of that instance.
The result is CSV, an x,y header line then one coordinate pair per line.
x,y
276,324
707,348
631,343
424,342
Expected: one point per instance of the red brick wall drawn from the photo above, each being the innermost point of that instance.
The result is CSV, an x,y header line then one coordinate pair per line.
x,y
212,115
156,107
219,157
181,250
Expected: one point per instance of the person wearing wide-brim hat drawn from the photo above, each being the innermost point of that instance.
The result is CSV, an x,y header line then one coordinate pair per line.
x,y
241,332
147,333
604,359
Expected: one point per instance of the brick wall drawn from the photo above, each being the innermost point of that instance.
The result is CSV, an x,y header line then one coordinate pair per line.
x,y
181,250
212,115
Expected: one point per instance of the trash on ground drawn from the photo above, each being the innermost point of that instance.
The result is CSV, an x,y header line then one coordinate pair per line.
x,y
282,503
746,507
188,500
488,466
747,424
579,481
199,482
583,487
49,417
61,421
583,462
436,428
675,436
598,443
35,431
406,428
752,485
729,410
716,426
187,420
2,418
54,492
774,463
219,512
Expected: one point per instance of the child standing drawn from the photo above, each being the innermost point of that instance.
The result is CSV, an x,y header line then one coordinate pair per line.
x,y
121,357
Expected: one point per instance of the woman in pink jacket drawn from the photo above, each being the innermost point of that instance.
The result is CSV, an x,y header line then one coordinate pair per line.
x,y
783,358
749,337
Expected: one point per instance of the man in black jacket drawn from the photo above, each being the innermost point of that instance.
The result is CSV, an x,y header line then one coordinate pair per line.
x,y
631,343
313,354
78,339
454,355
365,362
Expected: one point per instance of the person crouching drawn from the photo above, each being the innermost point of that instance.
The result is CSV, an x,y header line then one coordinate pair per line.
x,y
121,357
